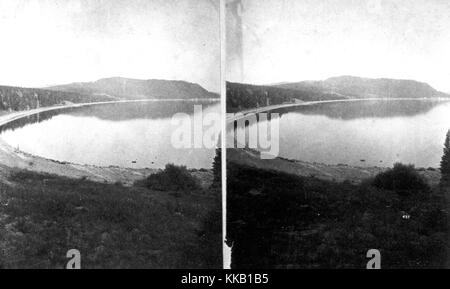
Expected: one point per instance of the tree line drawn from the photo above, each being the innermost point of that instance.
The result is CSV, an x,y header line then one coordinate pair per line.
x,y
245,96
18,98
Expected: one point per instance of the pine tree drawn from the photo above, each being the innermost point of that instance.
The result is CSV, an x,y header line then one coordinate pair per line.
x,y
217,169
445,162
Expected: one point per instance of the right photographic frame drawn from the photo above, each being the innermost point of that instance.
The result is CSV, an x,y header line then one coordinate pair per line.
x,y
338,133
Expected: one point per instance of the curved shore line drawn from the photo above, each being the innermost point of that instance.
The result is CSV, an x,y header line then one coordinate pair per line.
x,y
251,157
13,159
242,114
7,118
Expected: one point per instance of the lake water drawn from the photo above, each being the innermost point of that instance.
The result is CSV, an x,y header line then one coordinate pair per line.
x,y
366,133
136,135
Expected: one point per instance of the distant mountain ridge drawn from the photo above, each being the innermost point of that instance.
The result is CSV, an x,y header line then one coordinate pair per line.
x,y
128,88
241,96
359,87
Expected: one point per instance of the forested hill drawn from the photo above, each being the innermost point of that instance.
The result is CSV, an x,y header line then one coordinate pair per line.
x,y
358,87
19,98
127,88
244,96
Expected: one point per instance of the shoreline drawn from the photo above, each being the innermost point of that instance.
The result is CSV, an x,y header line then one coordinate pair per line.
x,y
11,159
235,116
337,172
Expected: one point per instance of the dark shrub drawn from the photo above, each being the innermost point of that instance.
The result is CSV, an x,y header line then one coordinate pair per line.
x,y
402,179
445,162
276,220
172,178
217,169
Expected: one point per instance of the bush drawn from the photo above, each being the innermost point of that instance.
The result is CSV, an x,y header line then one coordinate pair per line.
x,y
403,179
172,178
445,162
43,215
276,220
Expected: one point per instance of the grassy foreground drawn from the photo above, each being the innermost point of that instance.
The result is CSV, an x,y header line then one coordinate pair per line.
x,y
278,220
43,216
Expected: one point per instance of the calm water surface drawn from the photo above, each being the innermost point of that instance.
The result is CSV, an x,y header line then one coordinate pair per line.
x,y
367,133
128,135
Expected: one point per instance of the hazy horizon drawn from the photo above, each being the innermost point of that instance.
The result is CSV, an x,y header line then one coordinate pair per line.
x,y
277,41
47,43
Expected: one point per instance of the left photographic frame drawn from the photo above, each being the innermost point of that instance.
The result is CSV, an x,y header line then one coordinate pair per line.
x,y
109,134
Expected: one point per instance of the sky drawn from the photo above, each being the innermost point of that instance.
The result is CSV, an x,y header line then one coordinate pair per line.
x,y
49,42
274,41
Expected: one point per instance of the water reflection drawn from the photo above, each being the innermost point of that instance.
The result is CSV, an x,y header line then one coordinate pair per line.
x,y
367,133
115,112
125,134
366,109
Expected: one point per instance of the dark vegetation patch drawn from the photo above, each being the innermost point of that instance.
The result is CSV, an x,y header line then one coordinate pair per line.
x,y
172,178
245,96
20,98
402,179
277,220
43,216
